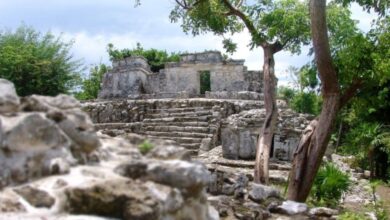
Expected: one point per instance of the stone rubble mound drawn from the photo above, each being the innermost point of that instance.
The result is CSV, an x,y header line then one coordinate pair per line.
x,y
55,166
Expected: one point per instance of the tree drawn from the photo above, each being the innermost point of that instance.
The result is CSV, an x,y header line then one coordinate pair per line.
x,y
273,26
91,86
337,88
156,58
37,63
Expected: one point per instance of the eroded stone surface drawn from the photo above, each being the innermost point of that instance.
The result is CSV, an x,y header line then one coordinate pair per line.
x,y
9,100
35,197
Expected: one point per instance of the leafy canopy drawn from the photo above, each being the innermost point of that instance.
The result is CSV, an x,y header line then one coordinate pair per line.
x,y
283,21
156,58
37,63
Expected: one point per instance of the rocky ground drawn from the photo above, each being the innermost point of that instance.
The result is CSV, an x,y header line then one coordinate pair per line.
x,y
55,166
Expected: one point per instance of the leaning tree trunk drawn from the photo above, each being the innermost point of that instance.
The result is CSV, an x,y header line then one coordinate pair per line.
x,y
264,143
311,149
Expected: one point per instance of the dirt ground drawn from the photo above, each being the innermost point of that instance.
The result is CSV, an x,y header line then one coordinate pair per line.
x,y
384,194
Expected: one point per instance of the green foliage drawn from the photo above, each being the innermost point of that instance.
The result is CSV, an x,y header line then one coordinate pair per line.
x,y
286,93
145,146
301,101
379,6
352,216
37,63
306,102
307,78
156,58
204,82
329,185
366,140
283,21
91,85
286,21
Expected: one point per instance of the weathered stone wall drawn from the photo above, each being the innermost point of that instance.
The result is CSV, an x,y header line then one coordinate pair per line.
x,y
127,79
240,133
132,78
127,111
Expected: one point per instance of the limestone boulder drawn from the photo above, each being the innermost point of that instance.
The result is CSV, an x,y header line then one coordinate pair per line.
x,y
168,152
79,128
36,197
30,144
291,208
65,111
179,174
184,175
38,103
323,212
10,203
9,100
259,193
134,169
129,199
32,132
118,198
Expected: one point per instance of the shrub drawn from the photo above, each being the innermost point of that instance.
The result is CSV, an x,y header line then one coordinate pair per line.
x,y
306,102
156,58
38,63
329,185
145,146
91,85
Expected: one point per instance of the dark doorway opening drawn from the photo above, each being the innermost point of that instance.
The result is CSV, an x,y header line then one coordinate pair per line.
x,y
205,84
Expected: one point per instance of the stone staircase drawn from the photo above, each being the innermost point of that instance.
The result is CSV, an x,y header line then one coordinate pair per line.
x,y
194,128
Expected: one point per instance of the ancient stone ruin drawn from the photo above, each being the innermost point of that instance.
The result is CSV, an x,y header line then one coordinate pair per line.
x,y
196,75
177,104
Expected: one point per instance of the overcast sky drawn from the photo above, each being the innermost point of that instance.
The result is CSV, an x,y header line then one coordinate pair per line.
x,y
92,24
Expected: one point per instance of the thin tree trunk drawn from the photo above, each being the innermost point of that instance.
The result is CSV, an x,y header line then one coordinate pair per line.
x,y
264,143
312,147
339,136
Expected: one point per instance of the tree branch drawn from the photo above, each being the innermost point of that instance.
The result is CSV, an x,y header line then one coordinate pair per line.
x,y
350,92
233,10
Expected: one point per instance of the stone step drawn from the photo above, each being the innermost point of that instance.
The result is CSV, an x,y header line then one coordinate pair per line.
x,y
101,126
179,124
177,110
181,119
207,130
177,134
190,146
180,114
180,140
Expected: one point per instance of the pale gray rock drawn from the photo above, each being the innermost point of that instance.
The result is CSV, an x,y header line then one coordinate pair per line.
x,y
323,211
216,183
259,193
59,166
291,208
31,143
168,152
32,132
179,174
9,100
134,169
40,103
10,203
116,198
240,186
1,134
79,128
36,197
